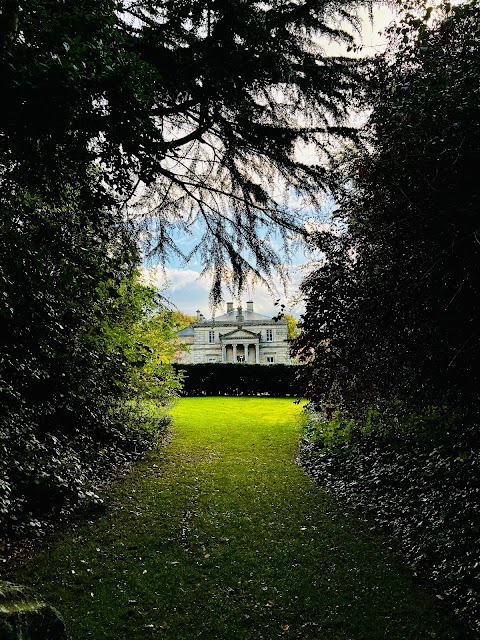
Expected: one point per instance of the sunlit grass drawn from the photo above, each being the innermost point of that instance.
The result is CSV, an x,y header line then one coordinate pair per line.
x,y
221,535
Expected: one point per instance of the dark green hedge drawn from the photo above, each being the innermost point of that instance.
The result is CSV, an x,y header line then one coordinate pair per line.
x,y
423,495
239,379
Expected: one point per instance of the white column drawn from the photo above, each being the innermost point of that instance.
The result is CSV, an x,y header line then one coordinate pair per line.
x,y
234,351
224,352
245,349
257,353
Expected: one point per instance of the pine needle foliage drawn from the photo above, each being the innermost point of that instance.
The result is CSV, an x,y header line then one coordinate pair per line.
x,y
241,87
198,107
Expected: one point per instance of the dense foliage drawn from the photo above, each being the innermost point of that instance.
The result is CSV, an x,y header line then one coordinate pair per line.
x,y
392,313
83,394
192,107
426,498
390,335
76,354
277,380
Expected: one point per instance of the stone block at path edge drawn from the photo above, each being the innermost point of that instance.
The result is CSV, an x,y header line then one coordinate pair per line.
x,y
23,616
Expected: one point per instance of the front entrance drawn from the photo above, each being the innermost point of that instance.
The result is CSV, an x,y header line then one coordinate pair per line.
x,y
241,353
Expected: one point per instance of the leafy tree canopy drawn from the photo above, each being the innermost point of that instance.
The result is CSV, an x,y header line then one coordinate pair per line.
x,y
181,319
292,326
393,312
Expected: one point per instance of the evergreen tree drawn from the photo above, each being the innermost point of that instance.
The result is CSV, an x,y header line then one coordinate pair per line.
x,y
199,104
204,104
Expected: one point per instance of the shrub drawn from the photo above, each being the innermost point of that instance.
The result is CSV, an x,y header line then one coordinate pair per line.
x,y
420,489
239,380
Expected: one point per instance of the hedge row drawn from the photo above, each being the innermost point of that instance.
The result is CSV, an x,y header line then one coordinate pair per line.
x,y
425,497
239,379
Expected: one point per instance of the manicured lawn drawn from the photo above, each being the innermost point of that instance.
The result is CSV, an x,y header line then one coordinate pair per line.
x,y
221,535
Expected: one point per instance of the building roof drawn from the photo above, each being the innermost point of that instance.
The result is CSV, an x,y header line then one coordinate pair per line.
x,y
188,331
248,316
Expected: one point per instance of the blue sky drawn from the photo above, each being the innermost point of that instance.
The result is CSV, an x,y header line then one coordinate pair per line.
x,y
184,286
188,290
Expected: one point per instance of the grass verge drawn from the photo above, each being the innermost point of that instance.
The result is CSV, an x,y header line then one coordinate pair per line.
x,y
221,535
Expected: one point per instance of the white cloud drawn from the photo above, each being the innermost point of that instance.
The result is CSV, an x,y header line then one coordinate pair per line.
x,y
188,291
181,279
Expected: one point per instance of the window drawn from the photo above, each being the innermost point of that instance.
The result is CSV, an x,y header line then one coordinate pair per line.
x,y
269,335
270,359
211,337
212,360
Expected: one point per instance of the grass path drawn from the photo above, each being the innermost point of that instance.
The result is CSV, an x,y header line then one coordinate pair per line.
x,y
221,536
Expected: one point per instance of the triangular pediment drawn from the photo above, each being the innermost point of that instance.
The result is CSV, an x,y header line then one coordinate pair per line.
x,y
238,334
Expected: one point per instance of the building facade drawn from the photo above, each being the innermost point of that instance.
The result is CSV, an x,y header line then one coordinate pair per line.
x,y
236,336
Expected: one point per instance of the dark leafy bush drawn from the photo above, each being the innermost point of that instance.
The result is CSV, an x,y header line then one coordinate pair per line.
x,y
46,475
391,310
76,353
239,380
424,494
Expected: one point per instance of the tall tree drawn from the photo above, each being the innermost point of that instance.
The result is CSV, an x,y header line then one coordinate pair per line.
x,y
206,103
199,104
393,313
255,86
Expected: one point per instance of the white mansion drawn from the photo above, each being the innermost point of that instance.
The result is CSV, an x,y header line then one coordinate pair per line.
x,y
236,336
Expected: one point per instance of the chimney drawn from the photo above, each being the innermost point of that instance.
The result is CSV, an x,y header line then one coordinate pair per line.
x,y
250,306
199,315
240,318
229,307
